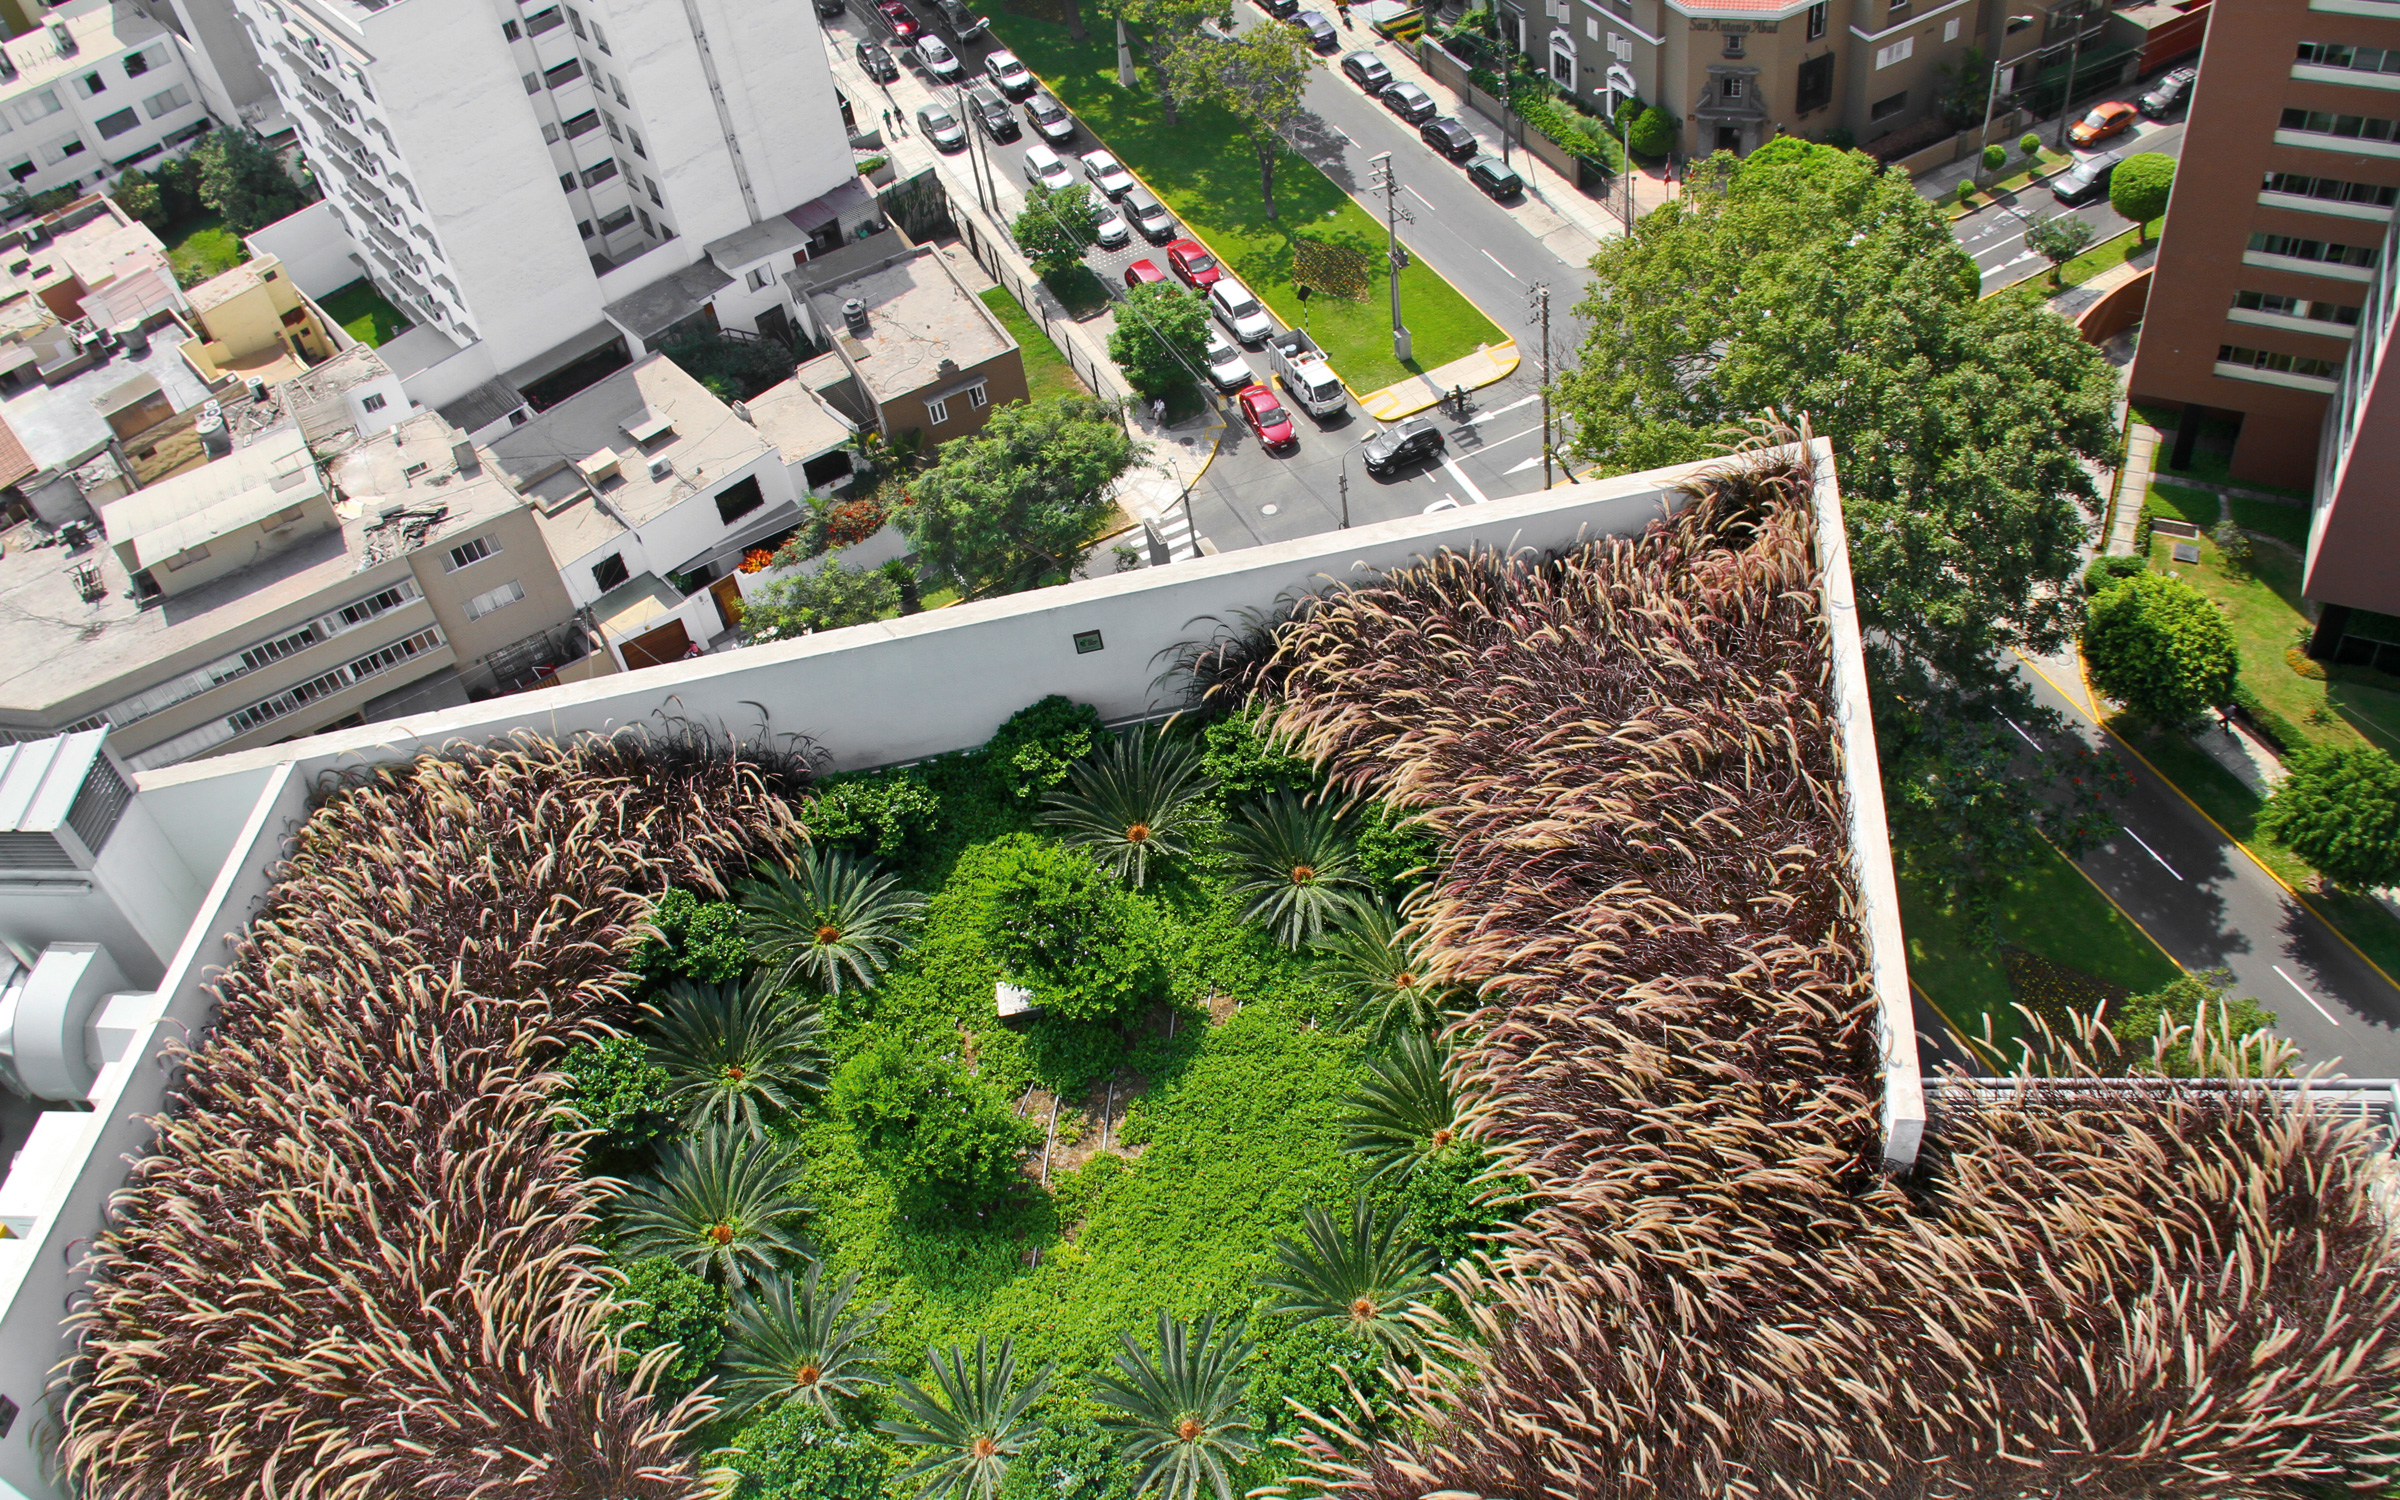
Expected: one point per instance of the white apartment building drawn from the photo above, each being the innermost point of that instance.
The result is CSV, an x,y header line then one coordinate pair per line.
x,y
509,170
96,88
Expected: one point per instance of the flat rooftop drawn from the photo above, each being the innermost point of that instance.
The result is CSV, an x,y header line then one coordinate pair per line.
x,y
60,425
918,319
209,502
797,421
94,242
100,29
603,441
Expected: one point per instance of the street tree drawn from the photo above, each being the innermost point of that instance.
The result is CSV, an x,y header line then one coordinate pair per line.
x,y
1014,506
2058,240
1057,226
2339,809
243,179
2138,189
1163,29
2160,647
1160,337
834,596
1259,77
1962,428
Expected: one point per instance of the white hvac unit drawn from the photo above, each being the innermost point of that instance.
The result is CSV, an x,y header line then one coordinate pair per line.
x,y
52,1045
81,859
60,802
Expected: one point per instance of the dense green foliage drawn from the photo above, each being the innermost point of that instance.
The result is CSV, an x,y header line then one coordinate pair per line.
x,y
2059,239
941,1129
242,178
879,815
833,596
697,939
1015,505
2198,1001
2339,809
1160,335
1065,929
2138,188
662,1303
1057,226
1653,134
2108,568
2160,647
731,369
616,1088
796,1452
1034,749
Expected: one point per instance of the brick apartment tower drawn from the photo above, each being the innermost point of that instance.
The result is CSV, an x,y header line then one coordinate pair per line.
x,y
2291,165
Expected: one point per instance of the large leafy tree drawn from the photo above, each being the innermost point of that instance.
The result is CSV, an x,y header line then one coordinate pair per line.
x,y
1805,280
242,178
1179,1413
2160,647
833,596
2139,188
2340,810
1014,506
1259,76
1057,226
1160,336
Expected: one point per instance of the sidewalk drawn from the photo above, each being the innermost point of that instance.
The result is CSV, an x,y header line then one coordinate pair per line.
x,y
1175,456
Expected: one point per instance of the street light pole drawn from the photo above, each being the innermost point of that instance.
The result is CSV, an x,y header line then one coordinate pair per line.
x,y
1541,305
1387,179
989,198
2066,104
1991,98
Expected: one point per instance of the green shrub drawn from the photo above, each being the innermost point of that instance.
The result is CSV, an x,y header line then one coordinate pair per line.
x,y
2030,144
1654,133
2279,732
1031,752
2135,1021
1245,767
672,1306
2160,647
1316,1364
936,1127
616,1089
2339,809
1442,1202
2234,547
1071,1459
1085,945
1581,134
1394,856
2105,570
1995,156
882,813
697,939
796,1452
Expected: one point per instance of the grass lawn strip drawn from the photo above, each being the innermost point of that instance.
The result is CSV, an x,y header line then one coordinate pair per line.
x,y
2108,255
363,313
1203,170
205,248
1047,372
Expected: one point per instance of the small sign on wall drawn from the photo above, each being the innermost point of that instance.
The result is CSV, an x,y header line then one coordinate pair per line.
x,y
1087,642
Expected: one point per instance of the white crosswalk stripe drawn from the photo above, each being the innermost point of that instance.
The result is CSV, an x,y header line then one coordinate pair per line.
x,y
1177,533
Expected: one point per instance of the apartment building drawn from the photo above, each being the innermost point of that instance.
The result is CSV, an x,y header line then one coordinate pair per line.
x,y
2279,236
97,87
2355,530
510,172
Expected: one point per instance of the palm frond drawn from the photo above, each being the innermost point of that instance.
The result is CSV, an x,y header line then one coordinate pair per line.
x,y
1295,863
1405,1111
1179,1413
724,1204
975,1427
807,1342
737,1054
1359,1273
1129,802
829,918
1384,974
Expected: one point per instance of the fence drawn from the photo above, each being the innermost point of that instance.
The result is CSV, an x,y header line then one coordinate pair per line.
x,y
1456,74
989,248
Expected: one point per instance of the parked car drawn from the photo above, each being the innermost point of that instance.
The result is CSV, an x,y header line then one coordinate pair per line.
x,y
962,24
1050,119
1281,10
1404,443
1450,138
2088,178
1149,215
2162,100
905,27
939,62
2104,121
831,10
1316,31
1044,168
1409,102
1007,74
941,127
1267,417
991,112
877,63
1112,180
1227,370
1495,177
1112,229
1193,265
1143,272
1240,312
1367,71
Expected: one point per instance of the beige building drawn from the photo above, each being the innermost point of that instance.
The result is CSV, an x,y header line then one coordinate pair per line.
x,y
924,354
254,323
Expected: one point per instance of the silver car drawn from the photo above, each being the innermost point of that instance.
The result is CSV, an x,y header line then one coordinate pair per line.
x,y
1112,180
1114,232
1227,370
1241,313
938,61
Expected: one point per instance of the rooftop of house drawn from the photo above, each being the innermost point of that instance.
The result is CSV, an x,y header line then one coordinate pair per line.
x,y
95,29
61,425
314,397
797,420
922,327
214,500
93,241
71,655
669,300
632,447
227,285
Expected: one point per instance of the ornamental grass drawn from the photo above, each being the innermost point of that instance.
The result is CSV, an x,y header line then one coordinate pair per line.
x,y
1630,755
357,1261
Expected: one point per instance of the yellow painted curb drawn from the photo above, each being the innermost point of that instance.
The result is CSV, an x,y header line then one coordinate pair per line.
x,y
1419,393
2119,905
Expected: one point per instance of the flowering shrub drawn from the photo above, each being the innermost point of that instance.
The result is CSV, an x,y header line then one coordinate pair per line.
x,y
757,560
853,521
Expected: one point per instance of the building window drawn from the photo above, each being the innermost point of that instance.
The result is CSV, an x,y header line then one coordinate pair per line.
x,y
93,85
757,279
575,20
1562,68
650,186
112,126
467,554
533,83
562,75
167,103
549,133
594,176
583,124
1729,88
41,106
610,120
610,571
499,598
738,500
2332,189
645,223
566,182
1884,109
23,170
1950,30
601,38
2317,250
2297,307
1591,28
2348,127
1816,20
512,31
137,63
544,20
1899,51
584,227
618,220
1815,89
2357,59
373,403
2287,364
62,148
937,412
1734,42
618,89
978,398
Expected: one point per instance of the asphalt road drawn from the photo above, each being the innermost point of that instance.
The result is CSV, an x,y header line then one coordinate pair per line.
x,y
1995,236
2211,906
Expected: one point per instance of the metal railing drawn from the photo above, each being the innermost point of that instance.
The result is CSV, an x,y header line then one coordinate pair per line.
x,y
2376,1101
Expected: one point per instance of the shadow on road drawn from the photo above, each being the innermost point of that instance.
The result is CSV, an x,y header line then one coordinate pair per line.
x,y
1322,145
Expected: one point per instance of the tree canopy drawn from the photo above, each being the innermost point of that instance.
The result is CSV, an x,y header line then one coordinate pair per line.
x,y
2138,188
1259,76
1058,224
1805,280
1161,334
2160,647
828,599
2340,810
1013,506
242,178
2059,239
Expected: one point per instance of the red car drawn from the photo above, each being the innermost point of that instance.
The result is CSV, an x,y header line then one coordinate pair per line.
x,y
1267,417
1190,260
904,25
1143,271
2104,121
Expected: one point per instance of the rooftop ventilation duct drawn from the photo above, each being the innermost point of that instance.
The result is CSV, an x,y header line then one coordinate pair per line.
x,y
854,312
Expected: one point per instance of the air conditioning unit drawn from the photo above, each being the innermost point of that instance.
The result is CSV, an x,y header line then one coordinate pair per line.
x,y
48,1046
80,854
660,468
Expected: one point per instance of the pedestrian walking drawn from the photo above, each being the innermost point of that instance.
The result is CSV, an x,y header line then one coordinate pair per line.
x,y
887,122
1344,7
1158,410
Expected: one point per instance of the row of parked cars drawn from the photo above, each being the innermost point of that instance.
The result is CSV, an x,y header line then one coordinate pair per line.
x,y
1450,139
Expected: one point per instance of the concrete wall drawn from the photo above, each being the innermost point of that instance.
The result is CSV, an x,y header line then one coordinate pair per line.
x,y
522,557
315,249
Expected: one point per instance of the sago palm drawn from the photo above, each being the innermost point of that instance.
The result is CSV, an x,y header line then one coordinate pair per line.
x,y
1293,860
1179,1414
736,1054
1358,1272
1380,970
830,918
807,1342
724,1204
976,1426
1129,803
1405,1111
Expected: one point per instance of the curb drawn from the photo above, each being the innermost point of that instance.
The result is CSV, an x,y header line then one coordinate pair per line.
x,y
1417,393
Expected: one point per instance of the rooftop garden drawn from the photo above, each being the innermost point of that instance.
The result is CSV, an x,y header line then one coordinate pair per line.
x,y
1454,1025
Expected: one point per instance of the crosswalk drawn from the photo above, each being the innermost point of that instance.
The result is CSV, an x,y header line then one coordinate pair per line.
x,y
1175,529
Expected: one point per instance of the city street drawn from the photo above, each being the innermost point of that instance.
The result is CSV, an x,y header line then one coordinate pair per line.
x,y
1995,236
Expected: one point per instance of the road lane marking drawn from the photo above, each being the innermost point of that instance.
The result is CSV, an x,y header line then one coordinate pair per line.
x,y
2021,734
2153,853
1495,260
1482,417
1521,468
1420,197
2305,995
1464,482
1337,130
1512,437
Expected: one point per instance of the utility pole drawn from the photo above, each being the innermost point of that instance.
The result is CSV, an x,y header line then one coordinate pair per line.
x,y
1991,97
1345,489
1386,178
1124,56
989,198
1540,293
2066,105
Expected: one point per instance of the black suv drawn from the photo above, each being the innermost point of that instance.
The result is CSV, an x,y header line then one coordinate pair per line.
x,y
878,63
1496,179
962,24
1450,138
1413,439
991,112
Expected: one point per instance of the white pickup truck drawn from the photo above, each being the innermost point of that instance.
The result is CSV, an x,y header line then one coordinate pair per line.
x,y
1301,369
